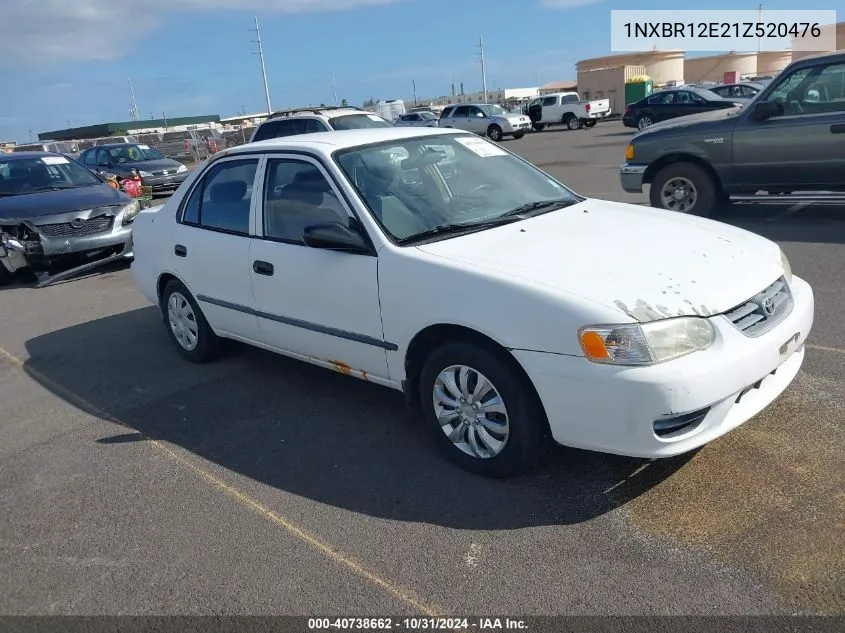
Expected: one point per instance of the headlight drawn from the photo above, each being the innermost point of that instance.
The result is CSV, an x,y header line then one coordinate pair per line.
x,y
646,343
144,174
130,211
787,269
182,169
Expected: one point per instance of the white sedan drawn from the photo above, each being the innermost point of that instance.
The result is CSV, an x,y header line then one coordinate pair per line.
x,y
507,308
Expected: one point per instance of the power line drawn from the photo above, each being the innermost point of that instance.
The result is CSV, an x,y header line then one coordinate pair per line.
x,y
260,53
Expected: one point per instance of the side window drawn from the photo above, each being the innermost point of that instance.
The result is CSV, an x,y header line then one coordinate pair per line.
x,y
461,111
476,112
103,157
826,92
447,111
788,91
297,195
550,101
275,129
90,158
573,98
221,200
313,126
694,98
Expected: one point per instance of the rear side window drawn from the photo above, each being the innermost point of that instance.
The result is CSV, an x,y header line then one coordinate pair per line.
x,y
550,101
221,201
358,122
447,112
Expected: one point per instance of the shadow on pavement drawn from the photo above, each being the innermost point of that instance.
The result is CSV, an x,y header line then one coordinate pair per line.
x,y
312,432
817,223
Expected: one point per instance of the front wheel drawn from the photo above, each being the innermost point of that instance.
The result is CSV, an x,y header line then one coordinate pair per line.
x,y
518,135
539,127
5,276
189,331
494,133
485,416
685,188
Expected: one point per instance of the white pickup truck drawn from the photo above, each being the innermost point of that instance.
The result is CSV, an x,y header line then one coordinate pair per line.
x,y
566,108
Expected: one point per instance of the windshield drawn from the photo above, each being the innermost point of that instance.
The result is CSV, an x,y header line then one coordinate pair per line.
x,y
358,122
428,116
45,173
134,153
708,94
413,186
493,110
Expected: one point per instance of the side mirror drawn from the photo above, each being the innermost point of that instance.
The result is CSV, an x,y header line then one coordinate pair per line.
x,y
334,236
766,110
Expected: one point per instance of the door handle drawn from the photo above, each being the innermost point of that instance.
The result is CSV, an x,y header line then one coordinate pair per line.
x,y
180,250
262,268
838,128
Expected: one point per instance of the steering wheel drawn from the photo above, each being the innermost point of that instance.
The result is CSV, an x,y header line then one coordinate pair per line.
x,y
477,190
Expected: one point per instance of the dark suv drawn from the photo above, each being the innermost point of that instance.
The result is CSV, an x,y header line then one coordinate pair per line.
x,y
789,139
311,120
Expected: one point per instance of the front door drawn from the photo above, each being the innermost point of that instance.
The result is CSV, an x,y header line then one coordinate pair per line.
x,y
478,120
210,249
315,304
804,146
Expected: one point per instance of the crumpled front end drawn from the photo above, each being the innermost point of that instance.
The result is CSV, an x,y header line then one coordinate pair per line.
x,y
65,244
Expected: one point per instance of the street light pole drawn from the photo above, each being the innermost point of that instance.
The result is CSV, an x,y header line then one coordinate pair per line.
x,y
263,67
483,71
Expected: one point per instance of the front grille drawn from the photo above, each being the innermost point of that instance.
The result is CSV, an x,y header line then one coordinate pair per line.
x,y
763,311
91,226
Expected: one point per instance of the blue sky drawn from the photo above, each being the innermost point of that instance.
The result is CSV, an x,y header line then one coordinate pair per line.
x,y
69,60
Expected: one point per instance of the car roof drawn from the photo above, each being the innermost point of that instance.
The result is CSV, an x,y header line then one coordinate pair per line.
x,y
327,142
112,145
32,154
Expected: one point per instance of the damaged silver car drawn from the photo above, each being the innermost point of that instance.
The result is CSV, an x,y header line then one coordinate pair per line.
x,y
58,219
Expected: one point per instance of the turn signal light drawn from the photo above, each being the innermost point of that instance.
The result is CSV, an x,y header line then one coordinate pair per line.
x,y
629,152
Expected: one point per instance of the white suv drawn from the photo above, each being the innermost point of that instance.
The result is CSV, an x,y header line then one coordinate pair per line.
x,y
311,120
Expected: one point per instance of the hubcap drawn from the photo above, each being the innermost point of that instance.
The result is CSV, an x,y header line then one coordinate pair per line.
x,y
573,124
678,194
183,321
645,122
471,412
495,134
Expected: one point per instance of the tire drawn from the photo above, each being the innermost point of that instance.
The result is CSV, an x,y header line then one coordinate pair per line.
x,y
701,200
590,123
644,121
539,127
527,436
494,133
207,343
5,276
518,135
572,122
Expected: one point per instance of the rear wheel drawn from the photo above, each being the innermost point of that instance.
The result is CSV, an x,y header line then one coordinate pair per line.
x,y
590,123
539,127
486,418
686,188
643,121
571,121
494,133
189,331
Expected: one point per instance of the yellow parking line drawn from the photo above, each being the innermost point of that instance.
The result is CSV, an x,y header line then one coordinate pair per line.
x,y
330,551
822,348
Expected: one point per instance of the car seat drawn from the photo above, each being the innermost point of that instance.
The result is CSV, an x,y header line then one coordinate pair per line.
x,y
227,207
307,201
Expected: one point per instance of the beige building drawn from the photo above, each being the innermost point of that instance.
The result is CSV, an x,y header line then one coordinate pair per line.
x,y
559,86
608,83
798,46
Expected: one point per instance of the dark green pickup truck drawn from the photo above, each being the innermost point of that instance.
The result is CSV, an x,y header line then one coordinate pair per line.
x,y
788,141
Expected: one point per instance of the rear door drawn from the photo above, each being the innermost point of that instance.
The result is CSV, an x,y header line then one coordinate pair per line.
x,y
459,118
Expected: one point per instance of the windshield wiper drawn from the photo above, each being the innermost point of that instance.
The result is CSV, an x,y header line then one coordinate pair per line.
x,y
459,227
540,205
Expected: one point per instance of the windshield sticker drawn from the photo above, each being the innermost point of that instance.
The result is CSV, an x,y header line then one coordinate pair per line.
x,y
54,160
144,146
373,117
481,147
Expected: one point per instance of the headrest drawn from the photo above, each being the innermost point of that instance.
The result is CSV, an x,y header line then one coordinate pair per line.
x,y
228,192
311,180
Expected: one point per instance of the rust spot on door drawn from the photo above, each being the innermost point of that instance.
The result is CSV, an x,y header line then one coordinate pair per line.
x,y
342,367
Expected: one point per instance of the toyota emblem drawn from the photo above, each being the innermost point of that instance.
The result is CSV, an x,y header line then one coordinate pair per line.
x,y
768,306
77,223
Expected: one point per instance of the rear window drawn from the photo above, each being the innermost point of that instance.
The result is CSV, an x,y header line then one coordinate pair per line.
x,y
358,122
287,127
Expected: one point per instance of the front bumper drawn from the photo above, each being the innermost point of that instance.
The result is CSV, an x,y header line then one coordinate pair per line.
x,y
516,128
165,183
613,409
631,176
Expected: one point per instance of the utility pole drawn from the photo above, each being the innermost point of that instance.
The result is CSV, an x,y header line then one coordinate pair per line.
x,y
759,21
164,116
414,84
260,53
133,106
334,90
483,71
30,136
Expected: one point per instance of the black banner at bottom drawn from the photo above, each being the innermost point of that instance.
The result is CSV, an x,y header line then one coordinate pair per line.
x,y
555,624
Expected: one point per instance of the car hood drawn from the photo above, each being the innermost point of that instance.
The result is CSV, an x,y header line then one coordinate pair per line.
x,y
152,165
648,263
37,205
724,115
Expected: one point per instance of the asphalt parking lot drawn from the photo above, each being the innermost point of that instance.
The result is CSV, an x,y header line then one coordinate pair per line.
x,y
133,482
